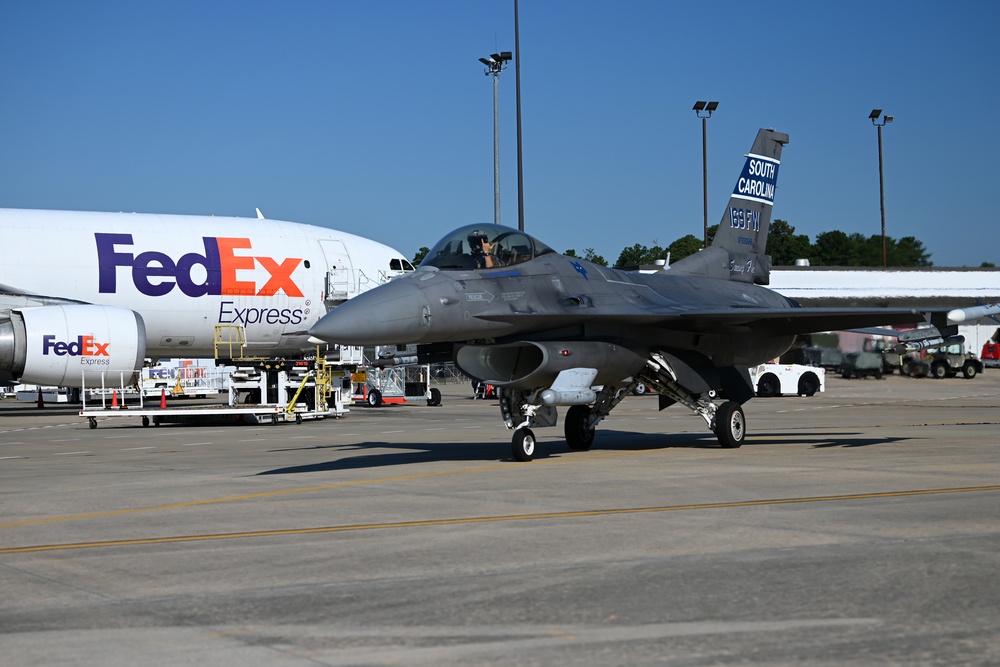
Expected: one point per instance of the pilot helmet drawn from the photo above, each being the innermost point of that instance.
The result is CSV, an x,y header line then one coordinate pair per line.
x,y
477,237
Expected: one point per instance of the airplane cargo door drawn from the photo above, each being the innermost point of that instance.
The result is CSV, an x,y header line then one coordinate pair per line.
x,y
341,283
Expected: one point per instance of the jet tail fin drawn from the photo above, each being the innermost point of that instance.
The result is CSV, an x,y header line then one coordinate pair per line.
x,y
739,249
744,226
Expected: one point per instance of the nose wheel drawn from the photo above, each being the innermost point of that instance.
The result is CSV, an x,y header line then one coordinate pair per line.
x,y
523,444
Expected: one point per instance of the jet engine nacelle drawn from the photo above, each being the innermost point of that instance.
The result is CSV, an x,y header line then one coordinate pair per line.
x,y
529,365
68,345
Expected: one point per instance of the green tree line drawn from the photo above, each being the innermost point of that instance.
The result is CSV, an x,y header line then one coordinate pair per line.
x,y
834,248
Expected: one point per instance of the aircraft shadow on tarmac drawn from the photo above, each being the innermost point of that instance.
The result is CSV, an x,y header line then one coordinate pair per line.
x,y
479,451
609,441
821,440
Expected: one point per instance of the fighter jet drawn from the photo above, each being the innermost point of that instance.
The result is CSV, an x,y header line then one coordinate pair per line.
x,y
550,330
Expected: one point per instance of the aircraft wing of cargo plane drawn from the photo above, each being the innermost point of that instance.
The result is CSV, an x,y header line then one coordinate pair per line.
x,y
566,332
85,293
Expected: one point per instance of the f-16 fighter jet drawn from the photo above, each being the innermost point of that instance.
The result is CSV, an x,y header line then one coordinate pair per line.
x,y
550,330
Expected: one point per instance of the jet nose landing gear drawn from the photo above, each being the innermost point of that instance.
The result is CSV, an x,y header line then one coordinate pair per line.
x,y
523,445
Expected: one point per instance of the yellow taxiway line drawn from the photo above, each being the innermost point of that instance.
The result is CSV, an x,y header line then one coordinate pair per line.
x,y
488,519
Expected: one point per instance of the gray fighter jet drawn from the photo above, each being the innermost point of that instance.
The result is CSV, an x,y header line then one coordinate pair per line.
x,y
550,330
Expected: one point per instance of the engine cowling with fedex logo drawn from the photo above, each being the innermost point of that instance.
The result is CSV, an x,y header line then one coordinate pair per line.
x,y
64,345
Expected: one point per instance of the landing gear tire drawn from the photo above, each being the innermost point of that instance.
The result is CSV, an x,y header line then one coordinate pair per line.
x,y
523,445
375,398
578,436
730,425
435,397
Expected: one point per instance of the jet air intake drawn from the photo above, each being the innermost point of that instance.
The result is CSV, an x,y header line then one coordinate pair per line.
x,y
529,364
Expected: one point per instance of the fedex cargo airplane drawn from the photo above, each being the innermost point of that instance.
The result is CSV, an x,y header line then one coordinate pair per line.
x,y
83,293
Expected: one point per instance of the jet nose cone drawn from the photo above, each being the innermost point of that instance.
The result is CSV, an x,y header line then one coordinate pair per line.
x,y
398,312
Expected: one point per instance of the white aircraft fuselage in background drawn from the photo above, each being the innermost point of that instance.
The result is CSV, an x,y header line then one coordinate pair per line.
x,y
90,291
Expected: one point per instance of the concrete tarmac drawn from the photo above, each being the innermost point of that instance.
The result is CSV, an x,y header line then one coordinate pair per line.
x,y
856,527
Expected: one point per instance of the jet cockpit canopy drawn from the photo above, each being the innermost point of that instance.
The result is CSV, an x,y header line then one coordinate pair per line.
x,y
484,246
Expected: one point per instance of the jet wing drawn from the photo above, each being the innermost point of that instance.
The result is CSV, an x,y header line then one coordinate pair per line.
x,y
11,298
772,321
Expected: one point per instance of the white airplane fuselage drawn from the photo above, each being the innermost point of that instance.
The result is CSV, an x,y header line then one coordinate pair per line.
x,y
183,275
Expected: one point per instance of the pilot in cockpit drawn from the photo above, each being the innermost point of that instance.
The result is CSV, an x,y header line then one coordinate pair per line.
x,y
482,250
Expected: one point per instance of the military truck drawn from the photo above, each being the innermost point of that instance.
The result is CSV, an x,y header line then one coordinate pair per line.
x,y
946,361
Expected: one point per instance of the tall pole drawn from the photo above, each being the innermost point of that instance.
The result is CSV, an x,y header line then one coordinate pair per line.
x,y
517,79
874,118
496,149
494,65
708,108
881,195
704,170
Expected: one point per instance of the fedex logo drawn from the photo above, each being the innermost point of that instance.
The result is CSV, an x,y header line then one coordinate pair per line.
x,y
156,273
83,346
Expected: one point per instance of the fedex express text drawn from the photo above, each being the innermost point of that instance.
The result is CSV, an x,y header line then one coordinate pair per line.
x,y
157,274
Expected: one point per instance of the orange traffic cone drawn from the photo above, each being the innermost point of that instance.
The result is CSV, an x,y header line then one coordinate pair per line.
x,y
41,401
163,398
114,398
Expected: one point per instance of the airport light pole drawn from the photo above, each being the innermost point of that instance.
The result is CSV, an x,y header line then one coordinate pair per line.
x,y
704,110
517,84
873,117
496,63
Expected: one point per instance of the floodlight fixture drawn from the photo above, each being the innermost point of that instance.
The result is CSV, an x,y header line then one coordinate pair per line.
x,y
873,117
496,63
707,107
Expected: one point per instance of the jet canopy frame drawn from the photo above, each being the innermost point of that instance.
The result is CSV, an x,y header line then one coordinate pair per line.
x,y
484,246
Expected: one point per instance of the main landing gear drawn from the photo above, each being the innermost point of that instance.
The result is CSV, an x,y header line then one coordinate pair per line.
x,y
523,410
730,425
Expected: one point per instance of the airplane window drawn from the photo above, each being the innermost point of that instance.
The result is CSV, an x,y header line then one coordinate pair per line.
x,y
399,264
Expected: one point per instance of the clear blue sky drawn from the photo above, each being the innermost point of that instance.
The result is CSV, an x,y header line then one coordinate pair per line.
x,y
376,117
